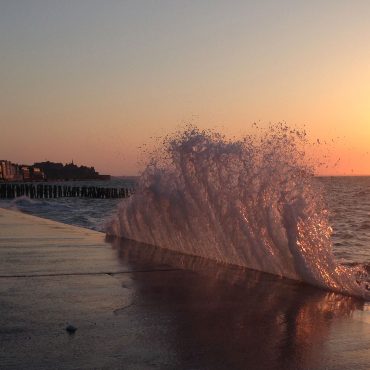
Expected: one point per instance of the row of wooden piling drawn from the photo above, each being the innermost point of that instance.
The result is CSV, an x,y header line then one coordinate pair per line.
x,y
46,191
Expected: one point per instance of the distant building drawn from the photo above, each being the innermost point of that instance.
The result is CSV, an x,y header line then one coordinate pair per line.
x,y
70,171
47,171
26,173
13,172
37,174
10,171
5,169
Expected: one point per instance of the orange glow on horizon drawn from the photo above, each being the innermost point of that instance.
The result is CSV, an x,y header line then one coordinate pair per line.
x,y
95,84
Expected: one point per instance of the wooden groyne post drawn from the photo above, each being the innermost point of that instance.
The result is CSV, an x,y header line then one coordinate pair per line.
x,y
46,191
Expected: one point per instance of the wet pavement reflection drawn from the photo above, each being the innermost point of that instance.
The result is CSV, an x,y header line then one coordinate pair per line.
x,y
203,315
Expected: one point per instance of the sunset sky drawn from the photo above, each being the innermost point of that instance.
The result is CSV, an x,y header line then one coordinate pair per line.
x,y
94,80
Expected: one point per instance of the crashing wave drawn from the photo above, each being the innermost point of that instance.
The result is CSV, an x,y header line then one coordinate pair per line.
x,y
252,202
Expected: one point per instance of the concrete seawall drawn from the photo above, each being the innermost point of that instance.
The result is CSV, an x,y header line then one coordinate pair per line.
x,y
140,307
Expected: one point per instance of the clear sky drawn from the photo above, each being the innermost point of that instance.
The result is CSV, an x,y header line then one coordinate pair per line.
x,y
93,80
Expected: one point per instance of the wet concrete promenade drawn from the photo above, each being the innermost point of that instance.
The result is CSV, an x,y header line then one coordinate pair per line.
x,y
140,307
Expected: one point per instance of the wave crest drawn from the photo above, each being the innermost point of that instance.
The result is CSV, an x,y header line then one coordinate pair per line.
x,y
252,202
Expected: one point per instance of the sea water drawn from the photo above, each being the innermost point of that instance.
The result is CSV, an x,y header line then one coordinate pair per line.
x,y
253,202
84,212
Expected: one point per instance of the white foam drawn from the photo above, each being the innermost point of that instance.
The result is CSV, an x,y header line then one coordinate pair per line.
x,y
252,202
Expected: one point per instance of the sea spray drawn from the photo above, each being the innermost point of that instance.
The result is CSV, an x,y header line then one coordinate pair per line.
x,y
252,202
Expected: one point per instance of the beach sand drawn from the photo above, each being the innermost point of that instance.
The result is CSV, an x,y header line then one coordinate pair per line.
x,y
139,307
